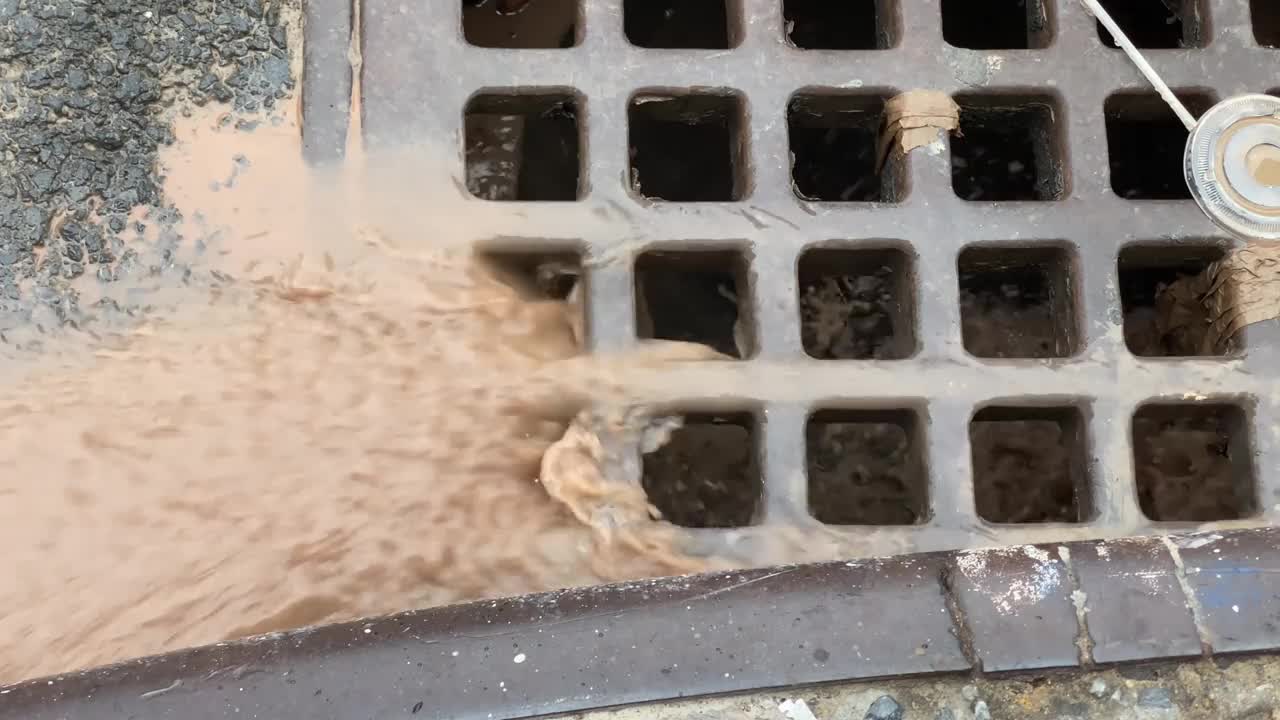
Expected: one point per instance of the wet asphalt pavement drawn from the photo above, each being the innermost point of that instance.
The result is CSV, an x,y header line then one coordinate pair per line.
x,y
87,91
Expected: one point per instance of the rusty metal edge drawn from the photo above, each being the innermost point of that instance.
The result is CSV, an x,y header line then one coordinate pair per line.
x,y
1022,608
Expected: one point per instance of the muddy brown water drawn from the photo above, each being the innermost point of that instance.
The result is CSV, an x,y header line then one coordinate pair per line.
x,y
353,426
358,423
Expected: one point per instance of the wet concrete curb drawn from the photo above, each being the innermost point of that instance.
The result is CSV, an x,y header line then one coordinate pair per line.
x,y
991,611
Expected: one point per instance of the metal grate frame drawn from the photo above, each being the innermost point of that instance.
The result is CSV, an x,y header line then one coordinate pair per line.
x,y
419,74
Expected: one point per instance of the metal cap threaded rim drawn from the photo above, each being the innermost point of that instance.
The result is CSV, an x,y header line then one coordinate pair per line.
x,y
1217,165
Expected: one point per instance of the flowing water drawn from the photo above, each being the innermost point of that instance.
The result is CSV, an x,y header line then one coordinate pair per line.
x,y
347,419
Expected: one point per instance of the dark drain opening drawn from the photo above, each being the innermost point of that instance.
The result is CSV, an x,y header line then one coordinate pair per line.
x,y
833,148
1007,149
687,148
1018,302
857,304
866,467
707,474
1266,22
1193,462
521,23
710,24
1161,295
845,25
549,275
1145,145
523,147
1029,465
1157,23
998,25
695,296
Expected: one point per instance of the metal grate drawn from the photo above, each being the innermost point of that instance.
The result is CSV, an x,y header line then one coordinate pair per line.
x,y
942,353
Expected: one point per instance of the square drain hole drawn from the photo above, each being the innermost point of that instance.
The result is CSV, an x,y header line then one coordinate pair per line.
x,y
1007,149
1000,25
524,24
709,24
1193,462
857,304
695,296
843,25
707,474
1266,22
1159,24
1018,302
866,467
545,275
1029,465
687,148
1161,294
834,141
1145,145
523,146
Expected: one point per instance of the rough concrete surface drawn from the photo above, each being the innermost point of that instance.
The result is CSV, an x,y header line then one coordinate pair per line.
x,y
87,90
1245,689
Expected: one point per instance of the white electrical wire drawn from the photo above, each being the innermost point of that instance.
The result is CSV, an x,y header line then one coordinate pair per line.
x,y
1144,67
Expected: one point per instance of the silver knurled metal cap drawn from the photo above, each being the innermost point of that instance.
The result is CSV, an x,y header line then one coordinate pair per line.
x,y
1232,165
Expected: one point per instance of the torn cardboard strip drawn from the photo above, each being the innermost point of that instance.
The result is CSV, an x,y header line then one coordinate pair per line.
x,y
916,118
1243,289
1202,314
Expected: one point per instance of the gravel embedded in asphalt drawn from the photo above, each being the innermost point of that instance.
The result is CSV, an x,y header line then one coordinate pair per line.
x,y
87,92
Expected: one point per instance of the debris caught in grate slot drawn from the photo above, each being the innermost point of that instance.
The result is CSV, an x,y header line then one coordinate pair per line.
x,y
688,148
1193,462
1162,290
1157,24
1018,302
1008,148
866,467
1029,464
999,25
1146,144
845,25
857,304
707,475
834,147
523,146
695,296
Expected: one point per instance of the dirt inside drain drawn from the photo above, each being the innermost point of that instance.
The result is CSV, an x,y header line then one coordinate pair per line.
x,y
1193,463
1007,148
1029,465
1017,302
856,304
707,474
866,468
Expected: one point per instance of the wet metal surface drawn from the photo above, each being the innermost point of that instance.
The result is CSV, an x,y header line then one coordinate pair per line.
x,y
1057,94
1145,614
975,611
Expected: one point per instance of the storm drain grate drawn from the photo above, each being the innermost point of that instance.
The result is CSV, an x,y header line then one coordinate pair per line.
x,y
969,344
